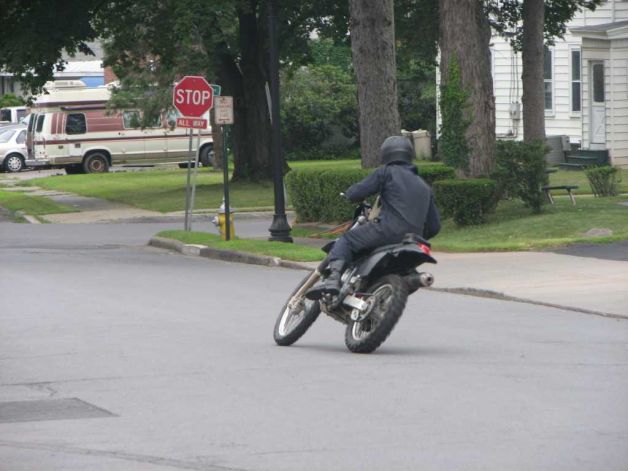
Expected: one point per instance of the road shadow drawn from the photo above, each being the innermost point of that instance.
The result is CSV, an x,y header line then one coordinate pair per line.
x,y
387,350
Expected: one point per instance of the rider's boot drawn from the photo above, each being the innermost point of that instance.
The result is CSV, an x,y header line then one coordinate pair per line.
x,y
331,283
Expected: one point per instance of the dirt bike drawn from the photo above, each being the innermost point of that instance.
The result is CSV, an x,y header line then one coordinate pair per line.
x,y
373,294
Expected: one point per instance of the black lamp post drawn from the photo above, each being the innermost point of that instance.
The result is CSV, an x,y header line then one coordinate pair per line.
x,y
279,229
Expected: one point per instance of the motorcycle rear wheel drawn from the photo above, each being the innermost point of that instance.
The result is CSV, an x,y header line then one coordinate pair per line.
x,y
293,323
389,295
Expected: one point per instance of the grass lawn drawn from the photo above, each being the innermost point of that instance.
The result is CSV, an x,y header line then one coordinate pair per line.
x,y
33,205
164,190
282,250
578,177
513,227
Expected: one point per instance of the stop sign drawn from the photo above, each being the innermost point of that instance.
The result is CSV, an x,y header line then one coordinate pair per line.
x,y
193,96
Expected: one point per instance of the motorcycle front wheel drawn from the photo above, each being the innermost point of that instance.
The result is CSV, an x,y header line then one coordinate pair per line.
x,y
296,316
388,296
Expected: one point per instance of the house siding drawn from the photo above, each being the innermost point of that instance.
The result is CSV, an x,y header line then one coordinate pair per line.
x,y
561,120
617,109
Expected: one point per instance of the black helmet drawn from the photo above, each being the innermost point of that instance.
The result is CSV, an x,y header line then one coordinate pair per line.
x,y
396,149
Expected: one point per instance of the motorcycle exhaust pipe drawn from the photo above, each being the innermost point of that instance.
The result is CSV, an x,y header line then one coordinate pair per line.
x,y
419,280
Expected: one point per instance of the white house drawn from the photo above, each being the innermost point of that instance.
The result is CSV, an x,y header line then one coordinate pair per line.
x,y
88,69
586,84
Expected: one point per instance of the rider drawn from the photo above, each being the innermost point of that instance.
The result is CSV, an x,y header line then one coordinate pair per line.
x,y
407,207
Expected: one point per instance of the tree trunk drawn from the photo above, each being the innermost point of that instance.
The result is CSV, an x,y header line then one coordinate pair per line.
x,y
246,82
533,98
465,33
372,29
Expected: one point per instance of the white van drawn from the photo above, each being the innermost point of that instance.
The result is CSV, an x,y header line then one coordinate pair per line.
x,y
71,128
13,115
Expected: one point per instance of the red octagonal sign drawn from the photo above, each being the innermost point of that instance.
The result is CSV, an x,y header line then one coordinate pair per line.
x,y
193,96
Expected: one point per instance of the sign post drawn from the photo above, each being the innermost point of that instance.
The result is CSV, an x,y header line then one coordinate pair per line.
x,y
192,97
223,115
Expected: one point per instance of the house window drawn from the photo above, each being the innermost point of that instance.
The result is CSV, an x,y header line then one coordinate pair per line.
x,y
576,103
548,63
75,124
598,83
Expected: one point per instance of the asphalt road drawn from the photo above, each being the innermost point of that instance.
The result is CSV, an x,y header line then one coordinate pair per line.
x,y
134,358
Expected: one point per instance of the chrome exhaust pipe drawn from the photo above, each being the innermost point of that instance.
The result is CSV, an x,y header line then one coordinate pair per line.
x,y
419,280
426,279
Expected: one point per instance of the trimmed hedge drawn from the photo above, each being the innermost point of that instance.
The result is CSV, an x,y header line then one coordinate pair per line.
x,y
314,193
433,173
466,201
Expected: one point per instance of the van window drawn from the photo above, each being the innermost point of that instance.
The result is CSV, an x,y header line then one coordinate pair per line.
x,y
131,119
21,114
5,115
40,123
31,122
21,139
75,124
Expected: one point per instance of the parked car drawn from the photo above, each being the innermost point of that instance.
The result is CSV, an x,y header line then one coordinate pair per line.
x,y
71,127
12,148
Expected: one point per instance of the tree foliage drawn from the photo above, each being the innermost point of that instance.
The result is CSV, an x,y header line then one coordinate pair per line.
x,y
319,100
506,17
453,145
36,32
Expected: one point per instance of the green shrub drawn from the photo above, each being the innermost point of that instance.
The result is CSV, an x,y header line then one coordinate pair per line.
x,y
318,102
603,180
10,100
334,153
466,201
314,193
432,173
520,171
452,145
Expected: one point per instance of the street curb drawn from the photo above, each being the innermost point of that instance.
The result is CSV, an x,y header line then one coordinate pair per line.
x,y
27,217
223,254
484,293
241,257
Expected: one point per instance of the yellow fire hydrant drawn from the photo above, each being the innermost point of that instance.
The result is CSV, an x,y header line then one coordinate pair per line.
x,y
220,220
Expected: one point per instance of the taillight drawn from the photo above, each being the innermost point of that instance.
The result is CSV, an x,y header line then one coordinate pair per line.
x,y
425,248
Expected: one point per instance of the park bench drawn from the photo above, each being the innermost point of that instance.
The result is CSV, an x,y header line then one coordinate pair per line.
x,y
568,188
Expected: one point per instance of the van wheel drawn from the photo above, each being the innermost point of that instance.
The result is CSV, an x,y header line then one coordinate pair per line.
x,y
96,163
73,169
13,163
207,156
185,165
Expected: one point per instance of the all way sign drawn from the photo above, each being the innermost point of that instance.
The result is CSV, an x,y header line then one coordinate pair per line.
x,y
194,123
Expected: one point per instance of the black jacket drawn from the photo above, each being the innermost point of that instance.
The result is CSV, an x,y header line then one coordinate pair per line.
x,y
407,201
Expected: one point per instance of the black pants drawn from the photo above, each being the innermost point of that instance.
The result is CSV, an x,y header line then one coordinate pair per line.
x,y
367,237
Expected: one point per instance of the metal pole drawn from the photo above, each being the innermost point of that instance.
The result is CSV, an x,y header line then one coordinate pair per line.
x,y
279,229
225,178
186,226
193,196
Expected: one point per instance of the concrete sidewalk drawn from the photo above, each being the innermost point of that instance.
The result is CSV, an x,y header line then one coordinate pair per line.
x,y
580,283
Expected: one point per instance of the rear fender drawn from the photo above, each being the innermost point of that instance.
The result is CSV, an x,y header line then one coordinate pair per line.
x,y
398,259
328,246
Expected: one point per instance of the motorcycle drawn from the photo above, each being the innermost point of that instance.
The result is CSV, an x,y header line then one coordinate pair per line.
x,y
373,294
